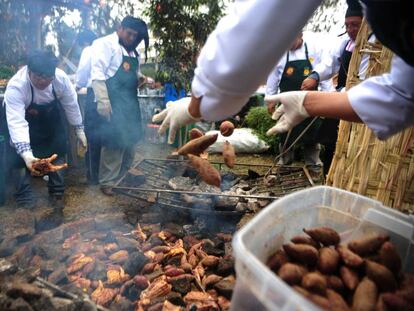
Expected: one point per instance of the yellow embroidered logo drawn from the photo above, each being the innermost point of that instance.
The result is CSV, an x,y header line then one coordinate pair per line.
x,y
306,72
126,66
311,59
290,71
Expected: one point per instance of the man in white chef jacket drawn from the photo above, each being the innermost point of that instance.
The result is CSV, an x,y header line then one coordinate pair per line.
x,y
91,116
115,77
37,99
295,66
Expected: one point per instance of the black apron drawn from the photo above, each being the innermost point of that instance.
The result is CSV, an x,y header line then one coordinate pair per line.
x,y
293,75
125,127
329,129
47,129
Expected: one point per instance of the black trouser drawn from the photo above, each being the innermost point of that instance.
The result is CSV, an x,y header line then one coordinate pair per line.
x,y
92,131
3,167
328,134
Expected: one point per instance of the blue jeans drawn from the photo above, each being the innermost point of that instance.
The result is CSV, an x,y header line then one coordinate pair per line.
x,y
24,192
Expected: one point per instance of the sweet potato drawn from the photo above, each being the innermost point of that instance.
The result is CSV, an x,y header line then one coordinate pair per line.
x,y
291,273
276,260
207,172
396,303
349,277
226,128
302,253
314,282
365,296
367,245
195,133
198,145
301,290
301,239
324,235
328,260
390,258
349,257
320,301
336,301
334,282
381,275
229,155
44,166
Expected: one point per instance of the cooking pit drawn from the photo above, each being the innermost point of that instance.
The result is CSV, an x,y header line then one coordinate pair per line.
x,y
170,250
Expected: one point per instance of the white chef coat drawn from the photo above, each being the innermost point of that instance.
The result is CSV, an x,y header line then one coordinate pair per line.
x,y
18,97
314,54
242,50
107,57
386,103
83,73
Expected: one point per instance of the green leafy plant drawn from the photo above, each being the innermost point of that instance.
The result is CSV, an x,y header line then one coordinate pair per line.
x,y
260,121
6,72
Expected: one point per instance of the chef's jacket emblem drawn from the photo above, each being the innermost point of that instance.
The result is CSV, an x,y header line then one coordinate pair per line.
x,y
290,71
126,66
306,71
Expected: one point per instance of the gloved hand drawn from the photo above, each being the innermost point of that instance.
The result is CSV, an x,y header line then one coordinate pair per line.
x,y
80,134
103,104
174,116
290,113
29,159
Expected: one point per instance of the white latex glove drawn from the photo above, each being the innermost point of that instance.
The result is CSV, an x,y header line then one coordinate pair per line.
x,y
174,116
290,113
103,106
29,159
80,134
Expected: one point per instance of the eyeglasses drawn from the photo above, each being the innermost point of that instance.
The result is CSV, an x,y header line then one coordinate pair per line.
x,y
44,78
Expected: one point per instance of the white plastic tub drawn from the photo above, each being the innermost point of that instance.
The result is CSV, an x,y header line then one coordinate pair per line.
x,y
258,288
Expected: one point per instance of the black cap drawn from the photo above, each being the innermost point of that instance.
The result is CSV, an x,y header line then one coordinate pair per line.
x,y
43,63
140,26
354,8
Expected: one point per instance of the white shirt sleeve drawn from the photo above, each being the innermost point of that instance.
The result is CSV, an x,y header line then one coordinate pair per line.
x,y
330,60
386,103
67,96
16,102
83,73
243,49
273,80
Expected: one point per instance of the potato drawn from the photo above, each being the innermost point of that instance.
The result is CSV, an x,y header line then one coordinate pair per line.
x,y
336,301
324,235
195,133
229,155
226,128
334,282
207,172
349,257
328,260
367,245
381,275
291,273
302,253
301,239
349,277
365,296
276,260
198,145
314,282
390,258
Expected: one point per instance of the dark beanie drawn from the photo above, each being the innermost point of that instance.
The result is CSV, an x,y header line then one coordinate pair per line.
x,y
43,63
354,8
140,26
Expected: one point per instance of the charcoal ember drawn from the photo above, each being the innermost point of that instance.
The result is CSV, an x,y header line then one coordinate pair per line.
x,y
226,286
225,266
204,187
19,304
270,180
134,177
127,244
181,283
136,261
215,249
197,200
174,229
253,205
6,267
151,218
110,237
109,221
174,261
99,273
252,174
25,290
181,183
241,207
59,276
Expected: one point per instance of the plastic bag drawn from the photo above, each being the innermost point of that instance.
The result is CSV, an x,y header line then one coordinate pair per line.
x,y
243,141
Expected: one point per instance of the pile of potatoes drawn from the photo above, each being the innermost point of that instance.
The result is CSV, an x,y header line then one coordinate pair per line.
x,y
365,274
